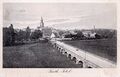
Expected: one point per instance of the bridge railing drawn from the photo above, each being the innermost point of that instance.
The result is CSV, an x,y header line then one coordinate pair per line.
x,y
82,56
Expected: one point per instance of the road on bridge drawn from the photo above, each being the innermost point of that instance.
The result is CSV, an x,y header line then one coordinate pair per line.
x,y
97,60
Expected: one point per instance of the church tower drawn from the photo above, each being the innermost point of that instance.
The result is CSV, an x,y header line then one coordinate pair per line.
x,y
41,23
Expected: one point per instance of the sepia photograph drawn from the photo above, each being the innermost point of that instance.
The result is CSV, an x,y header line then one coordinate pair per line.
x,y
59,35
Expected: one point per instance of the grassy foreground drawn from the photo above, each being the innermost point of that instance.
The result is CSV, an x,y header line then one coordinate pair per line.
x,y
39,55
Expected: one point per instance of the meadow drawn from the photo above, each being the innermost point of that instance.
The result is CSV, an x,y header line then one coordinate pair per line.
x,y
37,55
106,48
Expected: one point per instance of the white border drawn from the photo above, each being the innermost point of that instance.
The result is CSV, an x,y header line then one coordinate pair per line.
x,y
41,72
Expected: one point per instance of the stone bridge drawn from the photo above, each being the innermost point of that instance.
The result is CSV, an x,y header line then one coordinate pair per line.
x,y
83,58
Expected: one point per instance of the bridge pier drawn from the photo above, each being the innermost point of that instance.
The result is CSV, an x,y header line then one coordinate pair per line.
x,y
80,63
73,56
54,45
69,56
60,50
65,53
74,59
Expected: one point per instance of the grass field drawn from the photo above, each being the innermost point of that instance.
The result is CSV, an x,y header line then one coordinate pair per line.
x,y
39,55
106,48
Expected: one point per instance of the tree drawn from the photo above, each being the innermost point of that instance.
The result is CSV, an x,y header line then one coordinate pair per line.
x,y
68,36
36,34
20,35
12,34
28,31
97,36
79,35
8,36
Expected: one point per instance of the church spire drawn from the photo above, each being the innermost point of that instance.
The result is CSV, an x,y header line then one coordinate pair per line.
x,y
41,23
41,19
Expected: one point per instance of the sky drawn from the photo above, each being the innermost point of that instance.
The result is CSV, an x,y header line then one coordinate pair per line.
x,y
60,15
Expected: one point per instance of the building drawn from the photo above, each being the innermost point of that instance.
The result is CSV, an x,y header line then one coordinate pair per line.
x,y
52,35
41,24
89,34
46,32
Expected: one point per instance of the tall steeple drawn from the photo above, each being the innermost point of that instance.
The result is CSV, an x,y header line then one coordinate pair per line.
x,y
41,23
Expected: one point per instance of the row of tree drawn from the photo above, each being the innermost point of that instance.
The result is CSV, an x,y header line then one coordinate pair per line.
x,y
107,33
13,36
8,36
100,34
79,35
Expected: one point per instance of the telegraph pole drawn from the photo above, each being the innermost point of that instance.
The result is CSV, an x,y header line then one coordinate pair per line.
x,y
94,27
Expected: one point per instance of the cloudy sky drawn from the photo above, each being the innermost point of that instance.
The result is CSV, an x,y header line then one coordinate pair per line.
x,y
60,15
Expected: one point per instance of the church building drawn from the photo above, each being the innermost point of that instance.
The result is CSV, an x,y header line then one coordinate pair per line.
x,y
45,30
41,24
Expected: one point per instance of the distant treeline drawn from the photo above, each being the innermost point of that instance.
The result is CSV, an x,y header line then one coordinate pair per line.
x,y
107,33
13,36
99,34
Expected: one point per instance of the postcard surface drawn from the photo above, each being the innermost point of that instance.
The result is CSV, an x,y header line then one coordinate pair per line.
x,y
42,39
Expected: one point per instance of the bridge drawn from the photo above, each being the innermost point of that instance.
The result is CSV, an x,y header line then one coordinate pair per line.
x,y
81,57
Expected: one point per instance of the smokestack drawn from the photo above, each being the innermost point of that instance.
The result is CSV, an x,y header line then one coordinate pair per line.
x,y
94,28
